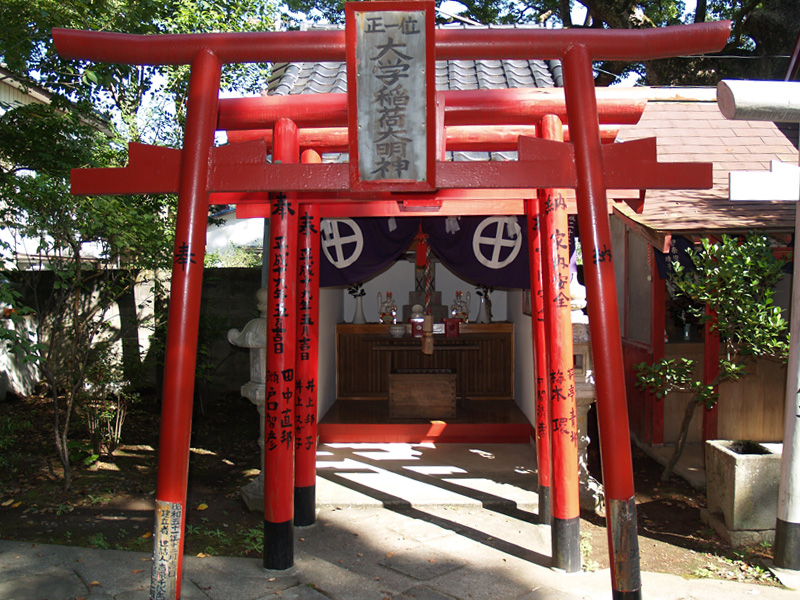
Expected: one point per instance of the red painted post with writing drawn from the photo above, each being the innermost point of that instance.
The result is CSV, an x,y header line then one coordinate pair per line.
x,y
305,408
612,406
281,342
565,531
540,350
184,317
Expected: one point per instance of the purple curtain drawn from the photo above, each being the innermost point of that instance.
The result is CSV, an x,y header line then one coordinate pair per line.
x,y
491,251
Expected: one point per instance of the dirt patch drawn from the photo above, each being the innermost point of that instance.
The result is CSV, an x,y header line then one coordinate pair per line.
x,y
672,536
111,505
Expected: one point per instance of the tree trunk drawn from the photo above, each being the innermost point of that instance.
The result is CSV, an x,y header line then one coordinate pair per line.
x,y
700,12
61,439
565,12
684,433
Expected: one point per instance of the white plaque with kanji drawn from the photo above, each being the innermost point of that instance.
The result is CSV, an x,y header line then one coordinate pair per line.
x,y
391,95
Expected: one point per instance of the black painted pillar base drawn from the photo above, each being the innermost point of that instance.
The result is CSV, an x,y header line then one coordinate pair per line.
x,y
787,545
623,548
278,545
566,541
545,513
617,595
305,506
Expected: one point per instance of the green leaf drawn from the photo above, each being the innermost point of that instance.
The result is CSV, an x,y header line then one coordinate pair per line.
x,y
90,76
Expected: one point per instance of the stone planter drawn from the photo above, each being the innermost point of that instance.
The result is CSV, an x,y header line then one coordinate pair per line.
x,y
742,487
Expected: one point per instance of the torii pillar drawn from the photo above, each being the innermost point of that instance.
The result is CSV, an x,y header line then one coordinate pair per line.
x,y
779,101
560,375
184,316
582,164
538,323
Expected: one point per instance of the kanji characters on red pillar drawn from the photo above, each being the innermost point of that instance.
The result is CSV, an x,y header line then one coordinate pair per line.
x,y
184,316
307,361
540,349
279,425
565,532
612,409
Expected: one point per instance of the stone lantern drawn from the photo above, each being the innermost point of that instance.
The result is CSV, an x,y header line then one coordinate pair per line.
x,y
591,490
254,336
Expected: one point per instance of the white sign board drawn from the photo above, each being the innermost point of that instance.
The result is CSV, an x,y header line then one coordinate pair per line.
x,y
392,95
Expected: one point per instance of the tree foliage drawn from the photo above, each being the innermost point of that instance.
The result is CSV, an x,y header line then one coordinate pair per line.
x,y
77,240
93,249
732,288
764,32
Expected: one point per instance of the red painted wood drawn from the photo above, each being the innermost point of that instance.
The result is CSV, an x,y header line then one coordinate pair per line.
x,y
502,107
576,48
639,411
281,341
561,371
451,44
554,167
434,432
635,165
540,346
658,321
599,272
612,414
307,356
710,372
465,138
187,282
163,177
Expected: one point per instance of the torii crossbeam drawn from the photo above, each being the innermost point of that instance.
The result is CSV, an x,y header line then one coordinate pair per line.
x,y
199,169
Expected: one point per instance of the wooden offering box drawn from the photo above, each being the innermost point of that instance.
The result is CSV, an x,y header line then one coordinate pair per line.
x,y
422,394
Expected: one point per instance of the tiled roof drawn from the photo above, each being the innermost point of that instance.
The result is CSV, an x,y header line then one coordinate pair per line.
x,y
686,123
326,77
696,131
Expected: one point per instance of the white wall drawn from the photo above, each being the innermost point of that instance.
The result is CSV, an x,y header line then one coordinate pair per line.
x,y
16,375
524,376
330,313
241,232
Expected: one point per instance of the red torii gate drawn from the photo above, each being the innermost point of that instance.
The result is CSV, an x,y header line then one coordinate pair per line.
x,y
199,171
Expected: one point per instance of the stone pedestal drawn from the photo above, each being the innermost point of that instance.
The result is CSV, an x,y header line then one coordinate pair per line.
x,y
591,490
742,490
254,336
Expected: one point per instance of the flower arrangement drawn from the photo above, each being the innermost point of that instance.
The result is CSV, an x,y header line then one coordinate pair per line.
x,y
484,290
356,290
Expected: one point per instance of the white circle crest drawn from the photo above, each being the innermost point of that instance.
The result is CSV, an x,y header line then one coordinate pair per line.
x,y
335,235
496,243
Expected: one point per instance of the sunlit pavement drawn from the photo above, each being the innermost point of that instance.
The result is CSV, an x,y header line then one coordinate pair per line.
x,y
395,521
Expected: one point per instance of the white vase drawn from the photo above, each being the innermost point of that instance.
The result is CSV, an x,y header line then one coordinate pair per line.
x,y
483,314
358,316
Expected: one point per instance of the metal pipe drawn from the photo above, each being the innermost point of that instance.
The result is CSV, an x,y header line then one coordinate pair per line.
x,y
759,100
768,101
